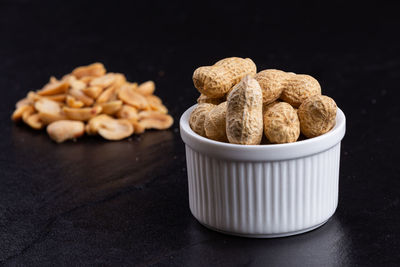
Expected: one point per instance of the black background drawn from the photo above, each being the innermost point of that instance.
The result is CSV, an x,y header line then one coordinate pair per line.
x,y
126,203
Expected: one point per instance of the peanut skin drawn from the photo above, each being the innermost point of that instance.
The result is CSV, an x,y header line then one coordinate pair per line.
x,y
281,123
215,81
317,115
244,116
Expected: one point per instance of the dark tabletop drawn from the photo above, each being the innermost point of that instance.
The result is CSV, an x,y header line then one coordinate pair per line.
x,y
94,202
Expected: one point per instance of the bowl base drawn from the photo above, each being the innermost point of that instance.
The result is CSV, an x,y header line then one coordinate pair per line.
x,y
265,235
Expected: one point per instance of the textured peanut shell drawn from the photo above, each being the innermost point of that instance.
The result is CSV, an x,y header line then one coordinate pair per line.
x,y
198,116
317,115
271,84
215,81
205,99
63,130
215,123
298,88
244,115
281,123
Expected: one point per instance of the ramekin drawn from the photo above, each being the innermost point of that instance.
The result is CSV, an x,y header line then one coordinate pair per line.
x,y
263,190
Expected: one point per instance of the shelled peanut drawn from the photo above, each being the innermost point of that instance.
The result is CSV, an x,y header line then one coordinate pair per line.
x,y
238,105
93,101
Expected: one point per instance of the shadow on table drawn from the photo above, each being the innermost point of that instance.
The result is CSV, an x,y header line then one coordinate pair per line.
x,y
328,245
90,169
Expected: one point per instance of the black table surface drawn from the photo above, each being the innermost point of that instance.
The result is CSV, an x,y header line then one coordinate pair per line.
x,y
95,202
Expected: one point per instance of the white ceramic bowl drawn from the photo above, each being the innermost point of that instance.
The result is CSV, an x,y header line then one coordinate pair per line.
x,y
263,190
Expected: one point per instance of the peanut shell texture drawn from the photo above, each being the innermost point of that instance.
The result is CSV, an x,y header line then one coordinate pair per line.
x,y
244,115
281,123
216,80
299,87
317,115
215,123
198,117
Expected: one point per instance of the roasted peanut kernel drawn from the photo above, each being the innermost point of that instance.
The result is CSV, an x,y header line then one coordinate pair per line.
x,y
155,120
17,114
79,95
112,107
87,79
58,98
54,88
128,94
82,114
49,111
24,102
63,130
34,121
73,103
46,105
93,125
93,91
104,81
146,88
95,69
83,95
115,129
28,112
128,112
106,95
74,82
138,128
155,104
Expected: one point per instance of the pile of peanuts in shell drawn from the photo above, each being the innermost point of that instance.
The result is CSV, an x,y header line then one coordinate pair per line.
x,y
93,101
242,106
